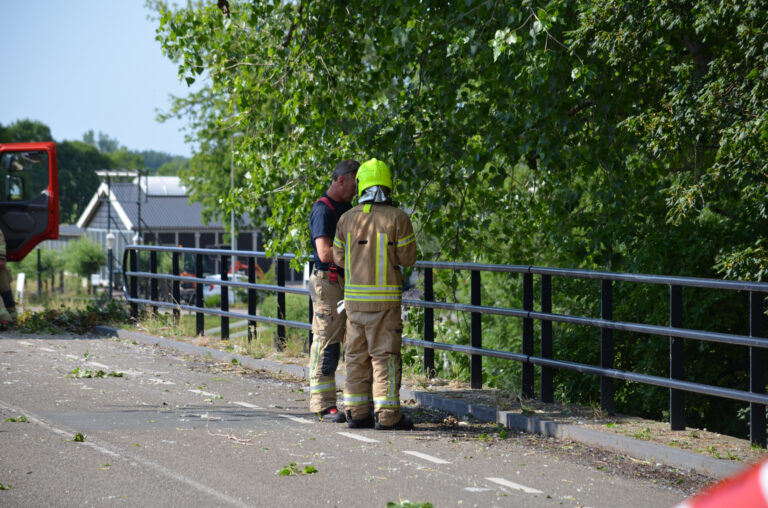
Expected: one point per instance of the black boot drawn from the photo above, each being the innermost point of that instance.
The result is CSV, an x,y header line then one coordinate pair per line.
x,y
331,415
404,424
360,423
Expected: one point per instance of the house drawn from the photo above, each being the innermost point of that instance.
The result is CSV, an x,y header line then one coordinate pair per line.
x,y
157,211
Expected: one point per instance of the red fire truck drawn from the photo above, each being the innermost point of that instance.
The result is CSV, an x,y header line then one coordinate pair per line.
x,y
29,197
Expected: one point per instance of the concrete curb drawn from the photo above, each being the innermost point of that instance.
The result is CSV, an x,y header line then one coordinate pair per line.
x,y
651,452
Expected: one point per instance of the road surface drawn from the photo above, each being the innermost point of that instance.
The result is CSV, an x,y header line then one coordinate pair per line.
x,y
161,428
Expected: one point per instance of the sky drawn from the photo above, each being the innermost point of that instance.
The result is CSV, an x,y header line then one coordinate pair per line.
x,y
79,65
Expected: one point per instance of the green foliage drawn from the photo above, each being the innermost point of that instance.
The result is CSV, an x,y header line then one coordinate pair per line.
x,y
90,373
17,419
292,469
73,321
408,504
78,438
84,256
619,135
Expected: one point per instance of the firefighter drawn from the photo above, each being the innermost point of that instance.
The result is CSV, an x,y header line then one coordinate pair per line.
x,y
372,241
326,287
8,306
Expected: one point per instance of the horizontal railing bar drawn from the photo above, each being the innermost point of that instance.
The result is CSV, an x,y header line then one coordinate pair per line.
x,y
723,338
249,317
218,282
540,270
501,311
590,369
213,252
589,274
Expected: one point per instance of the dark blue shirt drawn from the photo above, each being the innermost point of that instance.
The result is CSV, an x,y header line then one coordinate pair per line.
x,y
322,222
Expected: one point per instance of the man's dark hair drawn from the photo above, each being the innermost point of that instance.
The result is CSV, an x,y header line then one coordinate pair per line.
x,y
344,168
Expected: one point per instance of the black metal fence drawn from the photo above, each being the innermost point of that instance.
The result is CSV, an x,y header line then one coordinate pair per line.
x,y
675,331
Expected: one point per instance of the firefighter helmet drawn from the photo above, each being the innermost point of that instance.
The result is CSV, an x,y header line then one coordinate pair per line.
x,y
373,172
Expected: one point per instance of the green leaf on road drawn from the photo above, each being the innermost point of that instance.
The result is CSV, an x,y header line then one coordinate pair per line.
x,y
79,438
17,419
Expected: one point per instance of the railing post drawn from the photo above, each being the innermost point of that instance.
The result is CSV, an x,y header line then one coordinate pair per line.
x,y
134,283
547,373
476,334
676,358
606,347
429,324
252,297
756,369
527,377
176,288
199,316
280,338
153,281
225,297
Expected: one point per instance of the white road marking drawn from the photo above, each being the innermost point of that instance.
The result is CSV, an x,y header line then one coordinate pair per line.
x,y
296,419
99,365
47,349
24,342
427,457
477,489
359,438
129,459
207,394
72,357
513,485
249,406
160,381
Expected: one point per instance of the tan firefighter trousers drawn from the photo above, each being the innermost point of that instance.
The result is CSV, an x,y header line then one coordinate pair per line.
x,y
373,344
327,339
7,306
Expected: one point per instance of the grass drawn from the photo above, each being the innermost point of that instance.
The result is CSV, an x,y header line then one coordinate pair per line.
x,y
264,335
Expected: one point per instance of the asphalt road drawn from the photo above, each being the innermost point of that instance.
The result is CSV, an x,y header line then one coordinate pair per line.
x,y
175,431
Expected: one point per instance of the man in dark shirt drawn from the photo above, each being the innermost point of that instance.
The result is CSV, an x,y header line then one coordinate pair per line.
x,y
326,287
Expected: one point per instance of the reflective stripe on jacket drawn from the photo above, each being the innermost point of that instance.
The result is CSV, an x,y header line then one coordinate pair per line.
x,y
372,241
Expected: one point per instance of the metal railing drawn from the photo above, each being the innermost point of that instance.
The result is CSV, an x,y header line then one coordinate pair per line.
x,y
675,331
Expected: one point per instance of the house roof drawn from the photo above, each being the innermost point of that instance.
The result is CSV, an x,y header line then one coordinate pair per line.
x,y
164,208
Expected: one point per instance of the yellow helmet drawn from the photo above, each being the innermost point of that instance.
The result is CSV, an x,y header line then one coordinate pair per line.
x,y
373,172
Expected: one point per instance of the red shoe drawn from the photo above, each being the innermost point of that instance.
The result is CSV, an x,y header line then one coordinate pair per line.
x,y
331,415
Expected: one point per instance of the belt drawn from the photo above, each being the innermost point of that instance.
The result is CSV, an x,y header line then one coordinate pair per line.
x,y
317,272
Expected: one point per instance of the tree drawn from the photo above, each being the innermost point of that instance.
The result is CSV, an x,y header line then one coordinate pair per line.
x,y
84,257
78,163
24,131
621,135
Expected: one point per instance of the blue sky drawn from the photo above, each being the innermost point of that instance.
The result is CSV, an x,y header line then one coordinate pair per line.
x,y
88,64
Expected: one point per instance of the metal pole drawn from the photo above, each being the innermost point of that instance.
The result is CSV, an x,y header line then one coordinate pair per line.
x,y
199,316
429,324
138,204
110,263
676,365
252,299
39,275
280,338
176,288
547,373
476,333
756,369
606,348
224,299
153,283
527,377
134,283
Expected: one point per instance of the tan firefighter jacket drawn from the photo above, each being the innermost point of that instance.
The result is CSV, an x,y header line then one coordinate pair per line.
x,y
372,241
